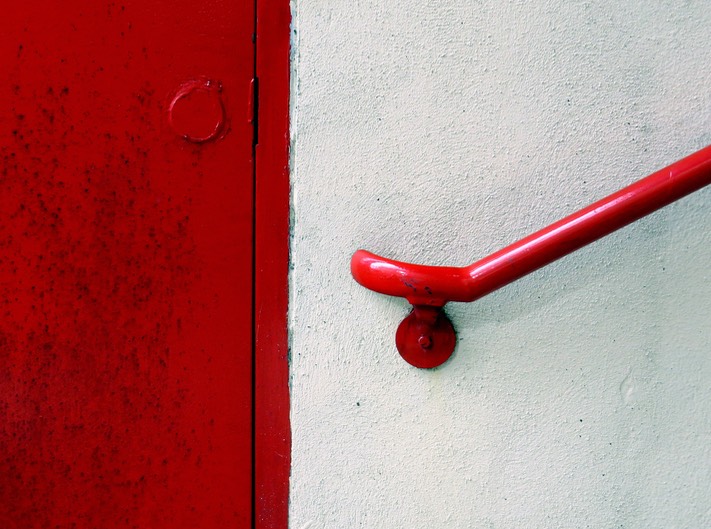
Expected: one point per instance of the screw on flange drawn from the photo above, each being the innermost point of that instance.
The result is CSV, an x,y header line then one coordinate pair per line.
x,y
425,341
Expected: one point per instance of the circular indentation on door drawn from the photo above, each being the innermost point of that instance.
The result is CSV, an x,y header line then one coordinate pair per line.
x,y
197,112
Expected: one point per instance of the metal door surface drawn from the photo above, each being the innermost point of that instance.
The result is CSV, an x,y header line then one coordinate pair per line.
x,y
126,192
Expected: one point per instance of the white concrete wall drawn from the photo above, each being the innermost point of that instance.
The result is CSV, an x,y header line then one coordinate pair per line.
x,y
437,132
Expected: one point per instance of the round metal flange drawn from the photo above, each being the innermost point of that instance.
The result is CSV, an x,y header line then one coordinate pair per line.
x,y
426,337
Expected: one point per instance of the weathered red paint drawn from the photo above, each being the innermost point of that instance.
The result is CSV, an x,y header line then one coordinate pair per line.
x,y
434,286
272,437
125,267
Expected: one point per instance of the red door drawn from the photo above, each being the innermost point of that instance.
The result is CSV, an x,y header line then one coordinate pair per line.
x,y
126,254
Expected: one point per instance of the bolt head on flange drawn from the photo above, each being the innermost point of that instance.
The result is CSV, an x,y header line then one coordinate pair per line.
x,y
426,342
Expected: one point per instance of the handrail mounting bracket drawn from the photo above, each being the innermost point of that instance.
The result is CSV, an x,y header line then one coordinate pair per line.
x,y
426,337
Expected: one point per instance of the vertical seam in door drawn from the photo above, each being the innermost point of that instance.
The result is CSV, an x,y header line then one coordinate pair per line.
x,y
253,344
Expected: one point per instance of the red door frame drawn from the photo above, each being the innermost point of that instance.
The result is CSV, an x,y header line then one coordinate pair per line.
x,y
272,434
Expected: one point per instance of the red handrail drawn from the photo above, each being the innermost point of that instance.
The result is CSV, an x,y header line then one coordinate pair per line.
x,y
429,288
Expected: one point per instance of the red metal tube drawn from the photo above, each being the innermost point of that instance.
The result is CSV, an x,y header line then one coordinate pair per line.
x,y
436,285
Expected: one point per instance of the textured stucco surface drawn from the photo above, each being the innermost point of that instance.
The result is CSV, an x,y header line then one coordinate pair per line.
x,y
437,132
